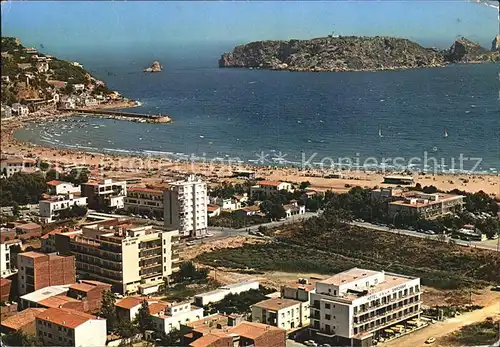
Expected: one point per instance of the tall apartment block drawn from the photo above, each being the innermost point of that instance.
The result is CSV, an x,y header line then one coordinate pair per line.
x,y
185,204
39,270
131,258
354,307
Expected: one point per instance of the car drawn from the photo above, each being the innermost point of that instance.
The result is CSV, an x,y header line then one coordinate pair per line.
x,y
190,243
496,289
311,343
430,340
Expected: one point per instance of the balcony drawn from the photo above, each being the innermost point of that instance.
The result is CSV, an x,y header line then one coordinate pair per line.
x,y
390,313
389,303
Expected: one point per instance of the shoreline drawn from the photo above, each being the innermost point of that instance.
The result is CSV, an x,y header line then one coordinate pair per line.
x,y
159,169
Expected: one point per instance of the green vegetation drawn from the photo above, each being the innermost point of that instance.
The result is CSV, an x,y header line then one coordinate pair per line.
x,y
183,291
108,309
188,272
482,333
22,188
232,220
19,338
238,303
75,211
143,319
65,71
327,246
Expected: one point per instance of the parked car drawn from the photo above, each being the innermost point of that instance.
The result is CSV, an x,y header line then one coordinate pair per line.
x,y
496,289
430,340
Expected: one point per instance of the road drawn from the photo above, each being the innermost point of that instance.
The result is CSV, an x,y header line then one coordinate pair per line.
x,y
446,327
475,244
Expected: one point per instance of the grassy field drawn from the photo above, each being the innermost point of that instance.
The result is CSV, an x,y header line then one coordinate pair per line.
x,y
482,333
438,264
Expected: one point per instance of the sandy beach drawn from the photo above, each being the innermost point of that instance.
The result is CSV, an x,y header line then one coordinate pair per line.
x,y
156,170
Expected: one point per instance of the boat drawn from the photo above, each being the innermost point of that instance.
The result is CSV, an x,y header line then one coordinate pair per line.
x,y
445,134
380,133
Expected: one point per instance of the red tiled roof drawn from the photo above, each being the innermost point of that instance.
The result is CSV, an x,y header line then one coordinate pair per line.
x,y
32,254
252,330
145,190
57,301
157,307
82,287
57,231
208,339
22,318
129,302
54,183
27,226
270,183
212,208
65,317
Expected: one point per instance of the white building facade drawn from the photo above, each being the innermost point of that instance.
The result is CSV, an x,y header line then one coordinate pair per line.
x,y
355,306
6,268
49,209
174,315
185,207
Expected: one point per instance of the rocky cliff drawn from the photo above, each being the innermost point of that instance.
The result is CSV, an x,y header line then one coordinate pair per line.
x,y
155,67
348,54
495,44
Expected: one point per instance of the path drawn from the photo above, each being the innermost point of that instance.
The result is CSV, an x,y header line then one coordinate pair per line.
x,y
446,327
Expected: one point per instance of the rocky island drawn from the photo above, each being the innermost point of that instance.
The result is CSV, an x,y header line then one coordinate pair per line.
x,y
155,67
350,53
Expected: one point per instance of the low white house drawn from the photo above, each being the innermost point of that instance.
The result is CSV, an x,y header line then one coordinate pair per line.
x,y
50,208
6,112
278,312
61,188
9,166
65,327
173,315
79,86
20,110
91,102
220,293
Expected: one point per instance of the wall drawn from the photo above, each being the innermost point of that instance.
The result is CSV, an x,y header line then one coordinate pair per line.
x,y
91,333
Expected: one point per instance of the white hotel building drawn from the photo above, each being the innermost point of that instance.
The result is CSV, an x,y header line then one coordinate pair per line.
x,y
355,306
185,207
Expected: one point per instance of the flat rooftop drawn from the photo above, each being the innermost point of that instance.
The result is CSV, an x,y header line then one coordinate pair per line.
x,y
276,304
348,276
44,293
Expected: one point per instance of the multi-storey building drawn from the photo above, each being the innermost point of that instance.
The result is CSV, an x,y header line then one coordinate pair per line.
x,y
355,306
132,258
66,327
9,166
60,188
141,200
426,205
50,208
300,291
267,188
185,204
7,267
39,270
278,312
107,195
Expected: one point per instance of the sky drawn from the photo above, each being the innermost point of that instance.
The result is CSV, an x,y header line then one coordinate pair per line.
x,y
97,24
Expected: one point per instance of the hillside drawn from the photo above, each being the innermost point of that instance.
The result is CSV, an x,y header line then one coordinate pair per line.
x,y
348,54
29,74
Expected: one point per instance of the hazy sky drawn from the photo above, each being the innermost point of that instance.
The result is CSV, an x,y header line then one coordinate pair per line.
x,y
98,23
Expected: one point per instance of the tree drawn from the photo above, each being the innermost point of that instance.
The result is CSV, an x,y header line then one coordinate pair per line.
x,y
126,329
277,211
304,185
23,188
19,338
265,206
108,309
143,319
15,209
44,166
171,339
188,271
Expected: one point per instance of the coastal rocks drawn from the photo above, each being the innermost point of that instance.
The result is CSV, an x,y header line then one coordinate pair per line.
x,y
332,54
352,54
463,50
495,44
155,67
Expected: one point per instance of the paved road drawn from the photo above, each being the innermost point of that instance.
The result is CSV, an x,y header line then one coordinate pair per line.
x,y
475,244
446,327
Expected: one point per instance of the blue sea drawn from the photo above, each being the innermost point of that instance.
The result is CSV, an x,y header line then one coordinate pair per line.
x,y
356,119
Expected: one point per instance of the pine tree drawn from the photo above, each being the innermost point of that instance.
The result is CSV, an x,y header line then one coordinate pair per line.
x,y
143,319
108,309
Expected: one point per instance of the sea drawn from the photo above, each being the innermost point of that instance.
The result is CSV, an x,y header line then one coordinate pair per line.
x,y
442,119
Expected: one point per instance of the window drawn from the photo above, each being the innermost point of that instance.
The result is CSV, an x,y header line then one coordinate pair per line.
x,y
328,317
327,306
50,335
